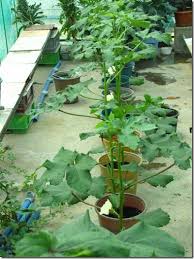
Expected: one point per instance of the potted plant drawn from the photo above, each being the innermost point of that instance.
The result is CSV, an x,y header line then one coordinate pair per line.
x,y
183,14
27,15
68,178
64,79
81,237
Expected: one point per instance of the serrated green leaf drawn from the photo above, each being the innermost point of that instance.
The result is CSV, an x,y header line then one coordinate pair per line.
x,y
129,140
57,194
160,180
157,218
132,167
36,245
145,239
97,187
146,127
79,180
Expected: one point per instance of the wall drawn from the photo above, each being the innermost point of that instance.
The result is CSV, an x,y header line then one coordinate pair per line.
x,y
8,30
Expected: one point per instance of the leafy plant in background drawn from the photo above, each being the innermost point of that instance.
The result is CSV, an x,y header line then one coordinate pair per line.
x,y
68,17
27,14
163,9
181,5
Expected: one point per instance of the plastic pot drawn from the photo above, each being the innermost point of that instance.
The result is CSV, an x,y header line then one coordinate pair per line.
x,y
183,18
166,51
112,224
128,69
127,175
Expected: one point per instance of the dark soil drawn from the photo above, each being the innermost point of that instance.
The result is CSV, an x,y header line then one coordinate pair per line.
x,y
128,212
116,164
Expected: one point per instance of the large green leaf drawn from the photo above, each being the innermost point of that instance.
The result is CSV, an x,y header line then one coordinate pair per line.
x,y
97,188
144,240
36,245
160,180
68,174
74,91
79,180
56,194
82,238
56,169
157,218
129,139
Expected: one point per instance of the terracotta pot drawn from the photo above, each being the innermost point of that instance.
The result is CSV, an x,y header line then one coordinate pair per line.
x,y
61,82
127,175
112,224
107,145
183,18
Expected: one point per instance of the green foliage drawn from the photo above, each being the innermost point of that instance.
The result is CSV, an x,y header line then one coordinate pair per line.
x,y
160,180
56,101
181,5
104,29
27,15
82,238
142,244
66,177
156,218
163,9
68,17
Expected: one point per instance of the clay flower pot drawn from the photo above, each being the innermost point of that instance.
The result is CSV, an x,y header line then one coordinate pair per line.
x,y
132,203
62,81
127,175
183,18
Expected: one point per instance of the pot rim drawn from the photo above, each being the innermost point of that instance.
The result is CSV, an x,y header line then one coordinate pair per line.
x,y
184,11
64,79
134,154
124,219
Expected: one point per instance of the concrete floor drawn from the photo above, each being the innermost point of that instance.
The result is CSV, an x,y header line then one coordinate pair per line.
x,y
54,130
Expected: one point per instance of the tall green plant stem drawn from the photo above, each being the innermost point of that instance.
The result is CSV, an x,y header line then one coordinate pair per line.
x,y
121,204
149,177
118,87
105,88
112,163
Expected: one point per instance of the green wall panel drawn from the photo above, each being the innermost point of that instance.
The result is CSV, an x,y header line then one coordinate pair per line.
x,y
8,30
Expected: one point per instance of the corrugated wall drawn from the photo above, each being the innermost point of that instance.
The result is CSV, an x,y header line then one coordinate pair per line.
x,y
8,31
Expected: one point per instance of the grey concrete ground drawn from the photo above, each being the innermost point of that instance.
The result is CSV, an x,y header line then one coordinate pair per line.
x,y
54,130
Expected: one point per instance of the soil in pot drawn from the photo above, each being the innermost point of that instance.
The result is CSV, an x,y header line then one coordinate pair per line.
x,y
128,212
104,162
133,206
